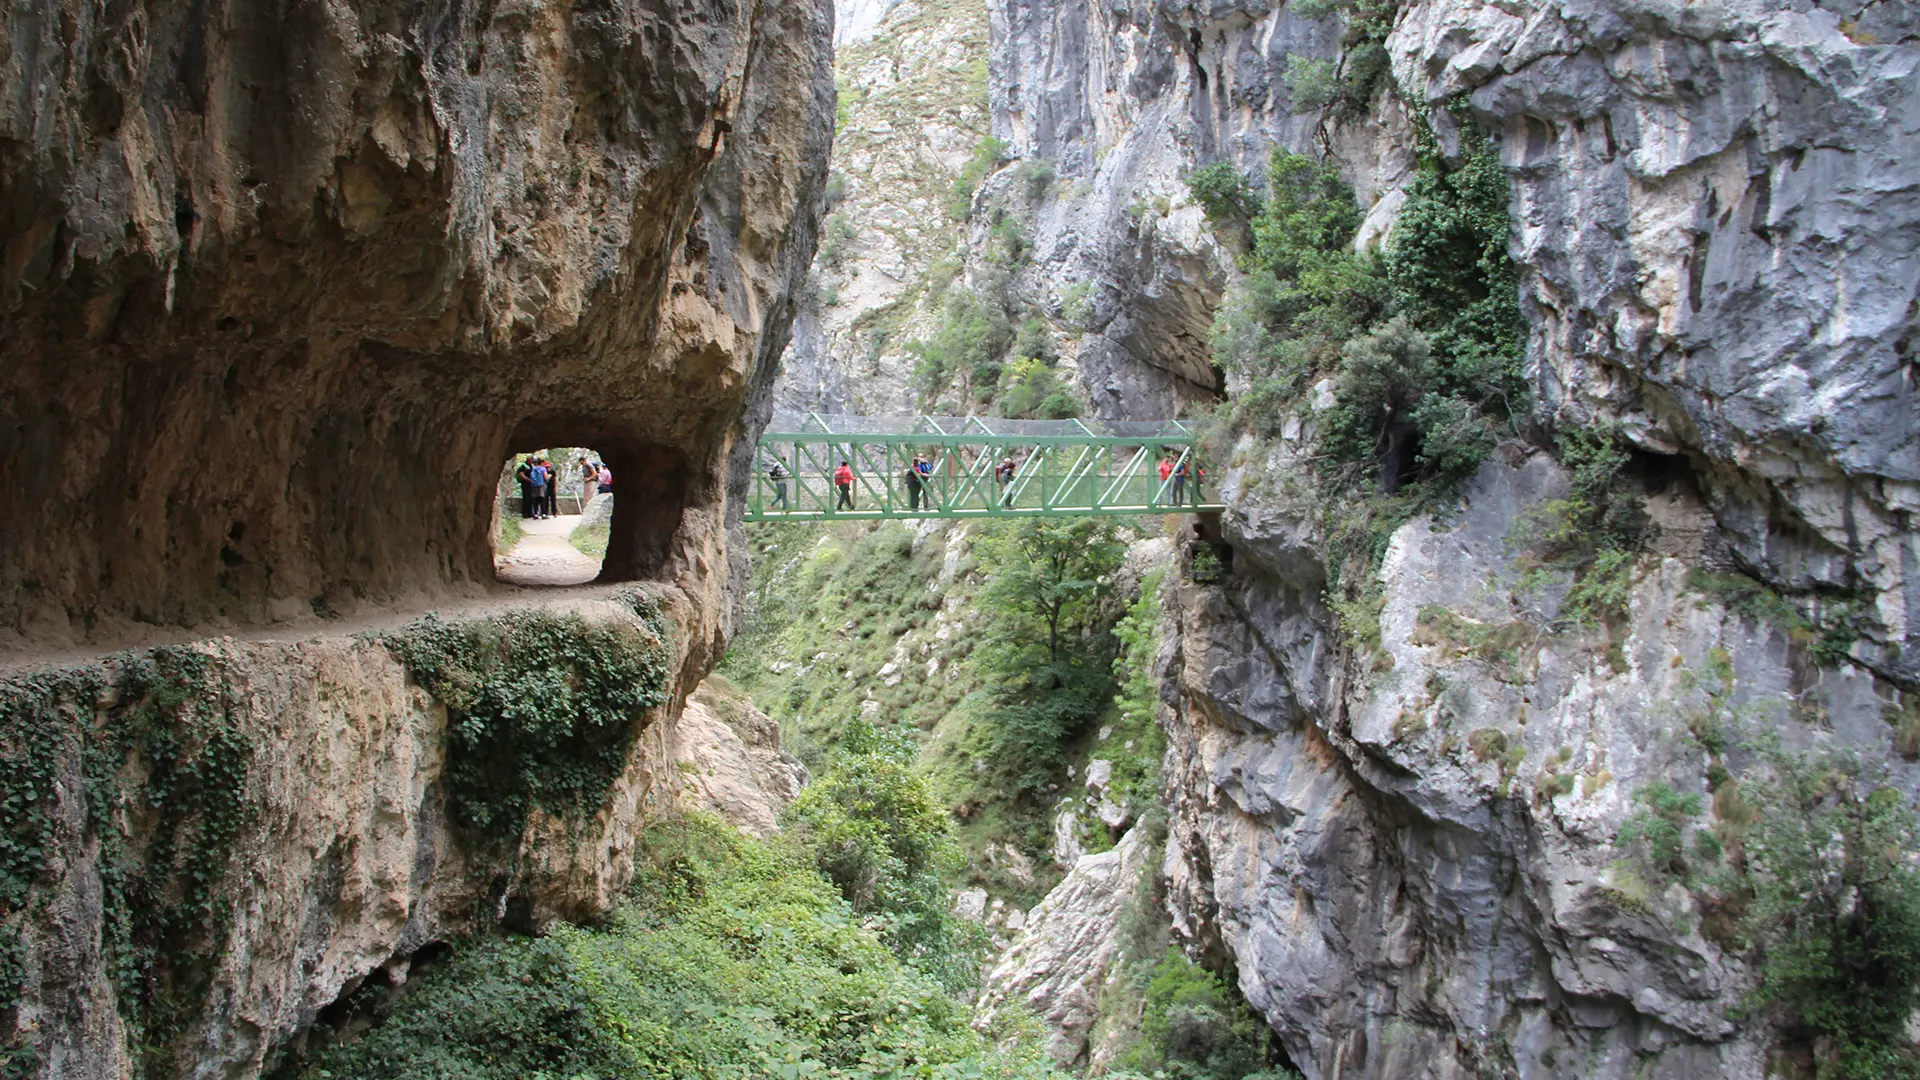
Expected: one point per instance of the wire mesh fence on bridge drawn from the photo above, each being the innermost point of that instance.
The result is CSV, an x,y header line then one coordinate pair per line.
x,y
1059,468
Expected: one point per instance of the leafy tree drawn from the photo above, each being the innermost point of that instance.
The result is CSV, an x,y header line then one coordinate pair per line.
x,y
971,336
1836,907
1224,193
1384,376
1448,266
1048,650
1314,82
879,834
990,154
1306,290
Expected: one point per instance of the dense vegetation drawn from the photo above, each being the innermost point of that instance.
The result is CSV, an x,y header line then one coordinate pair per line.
x,y
1005,679
1836,908
1047,656
1166,1017
731,958
1423,342
878,833
542,708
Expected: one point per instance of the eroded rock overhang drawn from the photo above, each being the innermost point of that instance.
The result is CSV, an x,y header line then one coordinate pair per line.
x,y
282,288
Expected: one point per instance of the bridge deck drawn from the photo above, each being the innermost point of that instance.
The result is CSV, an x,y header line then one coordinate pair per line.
x,y
1061,468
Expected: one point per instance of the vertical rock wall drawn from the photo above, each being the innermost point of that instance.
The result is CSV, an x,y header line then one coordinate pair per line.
x,y
325,851
1714,221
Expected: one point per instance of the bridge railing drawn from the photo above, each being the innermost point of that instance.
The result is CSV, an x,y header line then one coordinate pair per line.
x,y
1060,468
787,426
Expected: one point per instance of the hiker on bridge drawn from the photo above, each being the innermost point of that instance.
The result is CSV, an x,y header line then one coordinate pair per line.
x,y
1166,470
1180,482
916,478
1004,473
843,479
778,473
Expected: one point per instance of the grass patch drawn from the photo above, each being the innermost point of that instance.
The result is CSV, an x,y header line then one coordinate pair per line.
x,y
512,531
591,540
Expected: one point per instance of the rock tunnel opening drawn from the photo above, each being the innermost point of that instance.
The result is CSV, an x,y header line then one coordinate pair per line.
x,y
610,515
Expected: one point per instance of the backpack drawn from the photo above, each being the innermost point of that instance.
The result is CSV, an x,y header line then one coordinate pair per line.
x,y
777,471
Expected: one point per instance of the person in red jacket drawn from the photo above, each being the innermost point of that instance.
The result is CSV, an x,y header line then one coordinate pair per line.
x,y
1166,470
843,479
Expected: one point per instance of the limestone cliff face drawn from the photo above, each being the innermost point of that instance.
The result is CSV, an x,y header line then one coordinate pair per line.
x,y
1714,223
912,111
1410,854
186,914
1712,206
282,288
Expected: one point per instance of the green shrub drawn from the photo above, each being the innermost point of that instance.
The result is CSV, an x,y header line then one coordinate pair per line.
x,y
1384,377
1451,276
971,336
877,832
1035,178
1597,532
1224,193
1314,83
1032,389
542,709
1828,639
1194,1027
1655,834
1487,744
989,155
840,236
1364,62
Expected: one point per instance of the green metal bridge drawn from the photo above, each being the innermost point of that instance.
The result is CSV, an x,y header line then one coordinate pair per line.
x,y
1060,468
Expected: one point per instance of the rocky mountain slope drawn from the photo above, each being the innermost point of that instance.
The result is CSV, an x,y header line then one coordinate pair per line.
x,y
912,113
1410,850
1410,812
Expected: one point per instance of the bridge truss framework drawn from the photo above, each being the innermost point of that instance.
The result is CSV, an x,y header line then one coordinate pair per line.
x,y
1063,468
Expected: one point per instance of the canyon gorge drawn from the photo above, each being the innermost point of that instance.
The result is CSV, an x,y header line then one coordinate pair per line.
x,y
1537,707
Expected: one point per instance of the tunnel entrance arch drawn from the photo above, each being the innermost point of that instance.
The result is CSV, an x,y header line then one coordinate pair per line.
x,y
651,485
